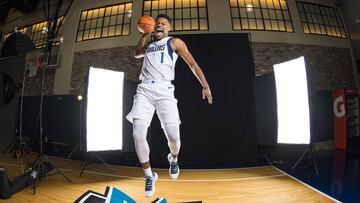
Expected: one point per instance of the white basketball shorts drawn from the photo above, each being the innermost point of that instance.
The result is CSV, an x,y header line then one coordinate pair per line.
x,y
154,95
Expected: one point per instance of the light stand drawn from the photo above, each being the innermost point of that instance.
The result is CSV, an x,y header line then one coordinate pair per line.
x,y
91,161
18,145
22,143
312,157
41,158
92,155
293,106
78,145
103,109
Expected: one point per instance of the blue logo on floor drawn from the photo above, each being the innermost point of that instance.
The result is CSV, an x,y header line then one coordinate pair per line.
x,y
111,195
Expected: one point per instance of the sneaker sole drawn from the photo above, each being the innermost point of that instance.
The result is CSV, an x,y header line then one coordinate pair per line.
x,y
174,176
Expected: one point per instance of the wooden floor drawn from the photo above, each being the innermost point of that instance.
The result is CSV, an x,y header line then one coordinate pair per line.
x,y
258,184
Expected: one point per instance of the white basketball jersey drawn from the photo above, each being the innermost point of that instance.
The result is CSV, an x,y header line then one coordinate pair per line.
x,y
159,61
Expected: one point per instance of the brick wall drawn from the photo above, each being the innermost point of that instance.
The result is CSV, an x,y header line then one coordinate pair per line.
x,y
121,59
32,84
330,67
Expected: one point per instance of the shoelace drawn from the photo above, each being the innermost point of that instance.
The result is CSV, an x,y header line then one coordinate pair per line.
x,y
174,167
148,183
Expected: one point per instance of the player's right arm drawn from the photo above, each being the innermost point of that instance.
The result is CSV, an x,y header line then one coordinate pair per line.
x,y
141,46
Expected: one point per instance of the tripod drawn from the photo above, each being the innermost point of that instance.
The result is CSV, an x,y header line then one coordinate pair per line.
x,y
39,161
89,162
312,157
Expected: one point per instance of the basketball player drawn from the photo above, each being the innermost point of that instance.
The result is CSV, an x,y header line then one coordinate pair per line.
x,y
156,92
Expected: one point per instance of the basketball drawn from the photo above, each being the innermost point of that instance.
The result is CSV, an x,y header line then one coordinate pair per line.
x,y
146,24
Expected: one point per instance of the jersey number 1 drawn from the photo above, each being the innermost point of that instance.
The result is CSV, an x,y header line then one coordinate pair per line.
x,y
162,57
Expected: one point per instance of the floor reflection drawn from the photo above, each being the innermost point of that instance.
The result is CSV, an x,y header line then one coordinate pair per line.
x,y
339,175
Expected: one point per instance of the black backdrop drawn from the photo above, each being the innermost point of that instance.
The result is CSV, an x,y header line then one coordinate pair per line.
x,y
62,122
266,109
218,135
224,133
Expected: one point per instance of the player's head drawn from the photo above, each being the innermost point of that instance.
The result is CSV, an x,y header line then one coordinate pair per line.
x,y
162,26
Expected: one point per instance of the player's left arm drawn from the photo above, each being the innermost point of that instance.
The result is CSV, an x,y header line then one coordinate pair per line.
x,y
180,48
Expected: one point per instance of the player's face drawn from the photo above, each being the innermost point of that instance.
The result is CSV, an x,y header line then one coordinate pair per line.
x,y
162,28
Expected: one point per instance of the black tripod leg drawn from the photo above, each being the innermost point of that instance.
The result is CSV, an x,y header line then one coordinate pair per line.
x,y
40,170
314,159
36,162
87,163
12,144
83,168
298,161
102,160
310,156
267,159
37,177
57,170
92,155
72,152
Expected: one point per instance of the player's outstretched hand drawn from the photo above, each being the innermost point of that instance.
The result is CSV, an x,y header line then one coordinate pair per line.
x,y
207,94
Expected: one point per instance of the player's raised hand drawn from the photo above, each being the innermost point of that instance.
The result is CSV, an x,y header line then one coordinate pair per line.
x,y
206,93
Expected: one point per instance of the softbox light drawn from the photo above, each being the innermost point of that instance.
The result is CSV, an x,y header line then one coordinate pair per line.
x,y
104,110
292,102
17,43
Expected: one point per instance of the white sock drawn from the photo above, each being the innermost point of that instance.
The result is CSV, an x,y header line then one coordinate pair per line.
x,y
174,160
148,171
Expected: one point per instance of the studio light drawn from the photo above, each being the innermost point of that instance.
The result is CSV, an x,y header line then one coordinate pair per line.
x,y
129,14
292,102
104,110
249,7
45,30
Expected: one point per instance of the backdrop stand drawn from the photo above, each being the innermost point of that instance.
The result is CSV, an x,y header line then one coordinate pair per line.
x,y
312,157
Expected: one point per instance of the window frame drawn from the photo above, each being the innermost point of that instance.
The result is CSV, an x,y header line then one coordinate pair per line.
x,y
29,32
174,19
336,15
261,10
42,42
103,21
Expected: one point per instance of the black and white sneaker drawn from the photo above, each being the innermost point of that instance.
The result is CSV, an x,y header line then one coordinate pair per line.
x,y
150,184
174,169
